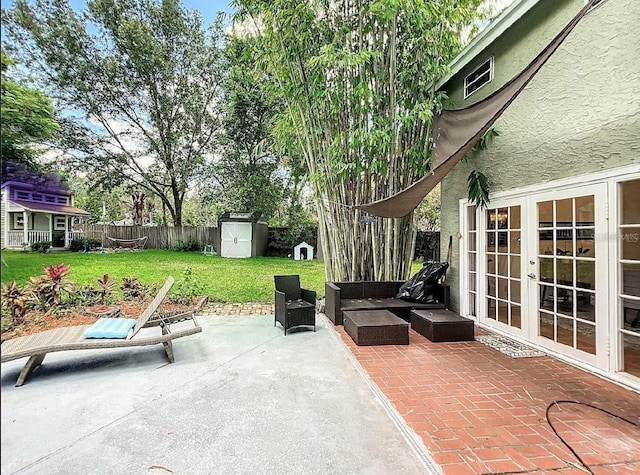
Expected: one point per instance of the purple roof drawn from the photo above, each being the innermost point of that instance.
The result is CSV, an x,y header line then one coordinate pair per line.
x,y
50,208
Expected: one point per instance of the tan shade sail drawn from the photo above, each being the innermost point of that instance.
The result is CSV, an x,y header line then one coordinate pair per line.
x,y
456,131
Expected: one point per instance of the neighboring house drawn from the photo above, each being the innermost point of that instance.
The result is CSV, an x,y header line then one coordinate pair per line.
x,y
37,208
555,259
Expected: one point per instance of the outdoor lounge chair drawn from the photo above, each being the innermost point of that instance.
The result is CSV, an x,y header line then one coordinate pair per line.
x,y
294,306
36,346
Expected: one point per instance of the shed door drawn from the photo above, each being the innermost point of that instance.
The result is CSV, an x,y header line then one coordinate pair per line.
x,y
236,240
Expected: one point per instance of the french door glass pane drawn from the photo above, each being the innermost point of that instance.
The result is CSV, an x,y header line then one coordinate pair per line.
x,y
631,315
514,217
516,316
503,264
585,215
545,214
503,289
503,312
631,243
515,291
586,302
491,308
585,242
546,325
491,218
564,213
514,270
631,354
630,209
564,242
564,329
586,337
586,274
514,242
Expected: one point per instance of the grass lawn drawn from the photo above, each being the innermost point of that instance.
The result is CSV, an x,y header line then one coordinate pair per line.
x,y
222,279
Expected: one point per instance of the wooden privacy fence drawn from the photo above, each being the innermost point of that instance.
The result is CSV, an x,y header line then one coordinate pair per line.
x,y
158,237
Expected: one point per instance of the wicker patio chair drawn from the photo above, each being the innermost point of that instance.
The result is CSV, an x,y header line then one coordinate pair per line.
x,y
294,306
37,346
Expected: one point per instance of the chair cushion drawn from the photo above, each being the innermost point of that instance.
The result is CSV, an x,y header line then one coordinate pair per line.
x,y
110,328
294,304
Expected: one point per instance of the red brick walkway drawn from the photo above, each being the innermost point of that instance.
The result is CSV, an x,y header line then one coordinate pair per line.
x,y
479,411
252,308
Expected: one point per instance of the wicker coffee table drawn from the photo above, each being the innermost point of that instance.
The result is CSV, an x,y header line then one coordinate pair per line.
x,y
442,325
376,327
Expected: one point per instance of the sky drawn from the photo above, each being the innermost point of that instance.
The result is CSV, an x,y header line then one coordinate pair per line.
x,y
208,8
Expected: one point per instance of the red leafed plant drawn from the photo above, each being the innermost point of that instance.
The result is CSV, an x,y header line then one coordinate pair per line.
x,y
50,286
106,287
16,299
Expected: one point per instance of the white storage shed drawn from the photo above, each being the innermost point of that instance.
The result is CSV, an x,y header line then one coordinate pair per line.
x,y
243,234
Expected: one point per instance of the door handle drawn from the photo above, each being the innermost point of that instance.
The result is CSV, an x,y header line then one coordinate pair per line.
x,y
532,275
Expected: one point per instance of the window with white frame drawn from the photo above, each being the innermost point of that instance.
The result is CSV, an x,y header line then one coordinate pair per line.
x,y
18,221
59,223
480,76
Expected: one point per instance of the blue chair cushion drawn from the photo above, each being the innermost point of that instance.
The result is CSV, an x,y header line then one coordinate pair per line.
x,y
110,328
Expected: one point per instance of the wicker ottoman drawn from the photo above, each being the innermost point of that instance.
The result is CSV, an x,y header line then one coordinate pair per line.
x,y
442,325
375,327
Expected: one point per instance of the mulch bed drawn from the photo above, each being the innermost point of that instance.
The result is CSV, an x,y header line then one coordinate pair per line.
x,y
37,321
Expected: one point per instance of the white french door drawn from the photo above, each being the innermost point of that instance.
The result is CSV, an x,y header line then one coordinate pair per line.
x,y
500,232
567,273
560,268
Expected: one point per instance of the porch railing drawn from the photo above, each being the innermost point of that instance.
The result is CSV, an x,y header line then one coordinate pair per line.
x,y
16,238
78,235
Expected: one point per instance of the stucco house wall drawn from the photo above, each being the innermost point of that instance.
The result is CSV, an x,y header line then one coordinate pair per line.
x,y
580,114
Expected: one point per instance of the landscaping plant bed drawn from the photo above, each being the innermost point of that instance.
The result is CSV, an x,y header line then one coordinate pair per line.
x,y
38,321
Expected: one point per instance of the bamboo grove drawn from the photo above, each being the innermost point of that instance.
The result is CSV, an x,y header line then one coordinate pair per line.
x,y
357,80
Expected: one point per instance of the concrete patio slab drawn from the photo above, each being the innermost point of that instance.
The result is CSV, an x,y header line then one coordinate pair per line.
x,y
241,399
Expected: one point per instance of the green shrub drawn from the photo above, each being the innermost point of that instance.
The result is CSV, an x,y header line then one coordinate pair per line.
x,y
133,289
42,246
187,288
93,244
187,245
283,240
85,296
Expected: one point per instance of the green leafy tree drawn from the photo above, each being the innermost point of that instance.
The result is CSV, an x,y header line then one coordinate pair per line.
x,y
96,200
429,211
357,79
27,119
245,177
140,80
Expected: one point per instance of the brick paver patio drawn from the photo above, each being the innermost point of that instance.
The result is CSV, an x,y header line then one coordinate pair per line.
x,y
479,411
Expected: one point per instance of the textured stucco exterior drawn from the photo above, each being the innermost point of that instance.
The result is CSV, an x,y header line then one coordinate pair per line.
x,y
580,114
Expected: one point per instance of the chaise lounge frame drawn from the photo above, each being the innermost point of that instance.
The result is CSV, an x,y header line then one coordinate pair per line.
x,y
37,346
